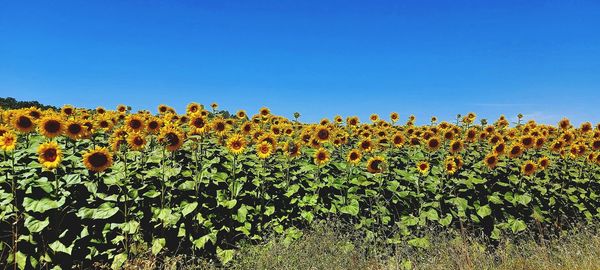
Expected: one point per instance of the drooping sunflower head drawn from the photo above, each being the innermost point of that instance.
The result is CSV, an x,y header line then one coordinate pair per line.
x,y
136,141
376,164
423,167
8,141
528,168
98,159
321,157
264,150
51,126
49,155
236,144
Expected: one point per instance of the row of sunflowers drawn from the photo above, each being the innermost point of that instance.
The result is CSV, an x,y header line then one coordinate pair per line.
x,y
81,185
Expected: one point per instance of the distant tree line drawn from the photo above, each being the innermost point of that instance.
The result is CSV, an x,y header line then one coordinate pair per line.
x,y
12,103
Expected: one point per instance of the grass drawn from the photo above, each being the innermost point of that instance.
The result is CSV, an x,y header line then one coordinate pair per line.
x,y
328,246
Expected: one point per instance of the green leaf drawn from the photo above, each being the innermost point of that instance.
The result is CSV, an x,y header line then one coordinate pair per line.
x,y
484,211
118,261
420,242
190,207
225,255
446,220
352,209
58,246
21,260
106,210
200,242
157,245
42,205
34,225
518,226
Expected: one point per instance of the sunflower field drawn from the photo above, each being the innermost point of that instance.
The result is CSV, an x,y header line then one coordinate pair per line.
x,y
78,186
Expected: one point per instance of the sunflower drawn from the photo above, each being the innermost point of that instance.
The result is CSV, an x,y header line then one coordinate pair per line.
x,y
49,155
122,108
292,149
354,156
449,134
8,141
219,126
135,123
322,133
104,123
450,166
163,109
3,129
414,140
376,164
338,119
528,168
264,150
199,123
394,116
68,110
136,141
51,126
564,124
193,107
23,123
264,112
75,130
171,137
100,110
352,121
433,144
236,144
398,139
491,160
544,163
527,142
366,145
269,138
516,150
423,167
321,157
596,144
471,135
214,106
154,125
456,146
247,128
374,117
97,159
500,148
241,114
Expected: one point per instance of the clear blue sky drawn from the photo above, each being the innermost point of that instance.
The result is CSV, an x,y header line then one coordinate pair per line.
x,y
321,58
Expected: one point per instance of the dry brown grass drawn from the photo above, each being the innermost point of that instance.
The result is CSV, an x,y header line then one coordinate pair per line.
x,y
324,247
